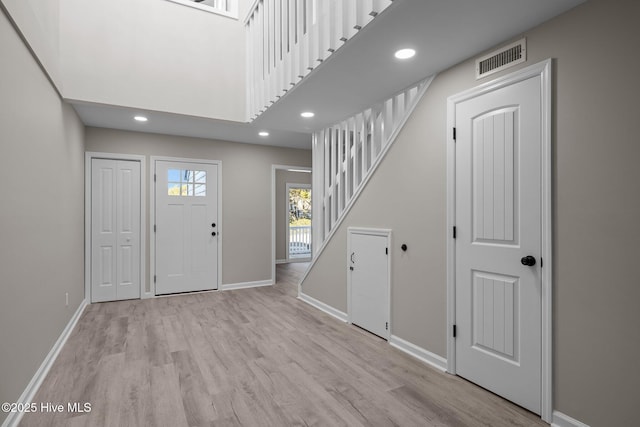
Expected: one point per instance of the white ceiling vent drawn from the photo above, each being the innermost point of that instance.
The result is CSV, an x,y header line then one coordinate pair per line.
x,y
503,58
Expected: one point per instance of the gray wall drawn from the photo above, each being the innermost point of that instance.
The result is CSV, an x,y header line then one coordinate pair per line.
x,y
154,54
282,218
39,22
92,51
246,190
41,215
597,206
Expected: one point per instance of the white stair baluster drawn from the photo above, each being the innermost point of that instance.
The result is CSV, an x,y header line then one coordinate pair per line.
x,y
340,169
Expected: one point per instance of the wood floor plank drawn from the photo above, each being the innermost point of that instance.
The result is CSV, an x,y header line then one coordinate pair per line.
x,y
175,333
136,405
250,357
106,394
167,409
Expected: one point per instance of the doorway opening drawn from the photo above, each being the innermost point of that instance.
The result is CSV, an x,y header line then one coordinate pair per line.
x,y
298,228
291,228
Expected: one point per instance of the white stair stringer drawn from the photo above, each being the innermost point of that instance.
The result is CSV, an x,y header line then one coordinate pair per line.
x,y
346,155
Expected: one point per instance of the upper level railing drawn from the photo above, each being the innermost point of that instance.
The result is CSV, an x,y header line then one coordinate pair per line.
x,y
289,38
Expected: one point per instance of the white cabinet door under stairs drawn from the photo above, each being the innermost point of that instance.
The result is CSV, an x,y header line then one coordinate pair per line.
x,y
369,279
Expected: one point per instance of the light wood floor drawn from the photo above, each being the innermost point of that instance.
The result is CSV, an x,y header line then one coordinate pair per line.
x,y
253,357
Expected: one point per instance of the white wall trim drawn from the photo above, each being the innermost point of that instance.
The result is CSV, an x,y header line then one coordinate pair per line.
x,y
562,420
363,184
88,156
323,307
275,168
245,285
13,418
152,209
544,70
382,232
419,353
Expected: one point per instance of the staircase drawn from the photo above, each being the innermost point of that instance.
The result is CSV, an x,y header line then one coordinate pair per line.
x,y
287,39
346,154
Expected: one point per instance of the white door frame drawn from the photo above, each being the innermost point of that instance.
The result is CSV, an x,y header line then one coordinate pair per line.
x,y
152,219
383,232
544,70
275,168
289,186
88,156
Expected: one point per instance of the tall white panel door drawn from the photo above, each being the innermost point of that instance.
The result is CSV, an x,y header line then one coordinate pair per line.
x,y
369,281
498,224
186,227
115,230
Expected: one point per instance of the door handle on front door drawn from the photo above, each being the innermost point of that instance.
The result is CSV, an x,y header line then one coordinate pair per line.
x,y
213,233
528,260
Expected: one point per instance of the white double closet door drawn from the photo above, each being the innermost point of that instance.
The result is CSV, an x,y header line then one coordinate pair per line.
x,y
115,230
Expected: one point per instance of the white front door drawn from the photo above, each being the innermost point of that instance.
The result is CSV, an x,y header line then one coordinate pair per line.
x,y
187,227
369,281
498,223
115,230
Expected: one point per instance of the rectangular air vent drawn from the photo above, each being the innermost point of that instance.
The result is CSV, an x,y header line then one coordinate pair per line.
x,y
502,58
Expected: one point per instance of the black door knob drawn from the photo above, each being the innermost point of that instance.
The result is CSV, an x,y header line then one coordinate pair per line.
x,y
213,225
528,260
213,233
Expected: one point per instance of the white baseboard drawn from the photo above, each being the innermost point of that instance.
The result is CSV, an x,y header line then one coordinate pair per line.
x,y
323,307
562,420
245,285
13,419
281,261
419,353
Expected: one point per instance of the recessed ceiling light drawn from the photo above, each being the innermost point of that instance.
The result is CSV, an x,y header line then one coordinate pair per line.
x,y
307,114
263,133
405,53
140,118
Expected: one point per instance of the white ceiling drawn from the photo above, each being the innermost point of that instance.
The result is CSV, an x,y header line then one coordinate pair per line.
x,y
362,72
109,116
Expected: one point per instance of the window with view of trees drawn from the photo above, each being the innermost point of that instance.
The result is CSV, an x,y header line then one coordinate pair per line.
x,y
299,206
299,222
